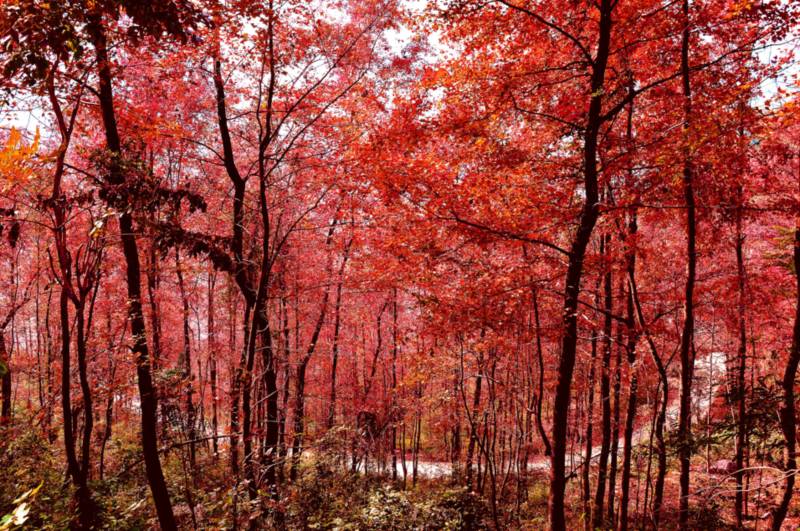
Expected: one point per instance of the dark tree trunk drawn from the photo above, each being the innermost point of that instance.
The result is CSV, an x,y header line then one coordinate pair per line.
x,y
588,219
455,446
473,415
5,410
605,390
155,325
109,413
130,249
540,387
740,387
632,339
687,336
300,378
271,439
787,412
587,465
287,356
247,383
83,377
393,414
335,353
658,489
236,395
186,366
73,467
612,469
240,273
630,348
212,361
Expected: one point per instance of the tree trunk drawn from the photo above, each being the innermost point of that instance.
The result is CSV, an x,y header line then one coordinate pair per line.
x,y
73,467
335,353
393,414
130,249
186,366
212,361
5,410
740,389
687,336
658,489
300,379
612,472
587,465
787,412
605,390
540,358
473,415
633,388
633,336
588,219
155,324
247,383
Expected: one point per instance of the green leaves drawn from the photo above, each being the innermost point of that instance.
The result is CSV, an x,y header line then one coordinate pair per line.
x,y
20,514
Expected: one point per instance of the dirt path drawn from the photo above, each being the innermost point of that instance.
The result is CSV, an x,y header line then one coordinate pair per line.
x,y
709,371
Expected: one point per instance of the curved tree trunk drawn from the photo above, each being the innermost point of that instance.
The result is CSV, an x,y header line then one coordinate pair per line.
x,y
787,412
539,397
588,219
130,249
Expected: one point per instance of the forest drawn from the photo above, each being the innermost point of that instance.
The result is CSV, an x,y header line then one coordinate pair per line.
x,y
399,264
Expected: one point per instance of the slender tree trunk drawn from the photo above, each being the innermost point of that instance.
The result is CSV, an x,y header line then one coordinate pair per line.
x,y
73,467
455,446
740,389
109,413
247,383
612,472
300,378
687,336
335,354
130,249
236,395
212,361
287,356
5,411
658,489
473,432
83,377
588,219
51,434
336,329
787,413
271,439
605,389
630,417
155,324
394,387
633,336
540,387
587,466
186,365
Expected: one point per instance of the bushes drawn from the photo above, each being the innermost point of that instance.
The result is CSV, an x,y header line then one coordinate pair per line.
x,y
342,501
